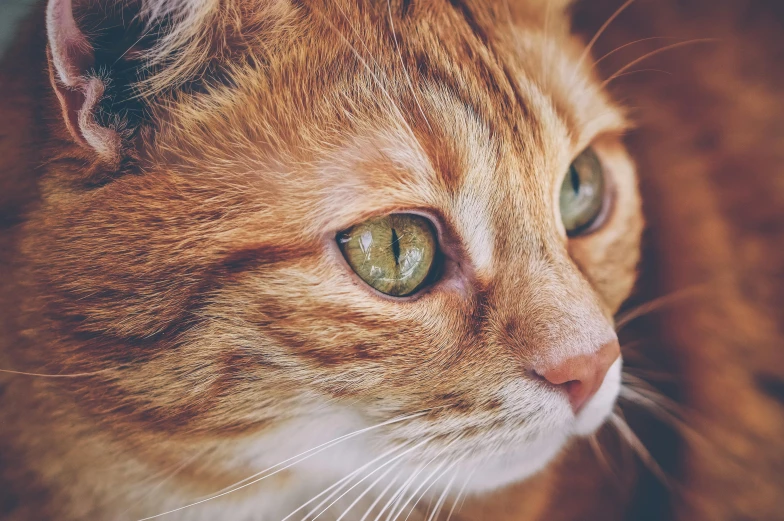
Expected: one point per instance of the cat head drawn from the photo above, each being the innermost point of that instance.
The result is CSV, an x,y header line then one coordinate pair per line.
x,y
273,223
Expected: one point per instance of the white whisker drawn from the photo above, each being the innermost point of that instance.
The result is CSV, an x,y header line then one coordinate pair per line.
x,y
432,482
617,49
442,499
327,445
368,489
380,497
43,375
271,471
656,304
396,458
397,497
596,447
459,495
396,511
628,435
339,484
596,36
651,54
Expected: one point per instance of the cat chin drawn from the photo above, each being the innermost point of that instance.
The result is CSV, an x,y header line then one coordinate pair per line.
x,y
514,466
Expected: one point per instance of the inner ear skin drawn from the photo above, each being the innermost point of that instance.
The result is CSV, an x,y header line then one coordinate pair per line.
x,y
93,75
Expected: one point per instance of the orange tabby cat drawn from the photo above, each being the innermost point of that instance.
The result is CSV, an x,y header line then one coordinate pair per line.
x,y
278,258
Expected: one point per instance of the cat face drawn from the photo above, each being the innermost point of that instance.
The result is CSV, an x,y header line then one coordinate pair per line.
x,y
208,270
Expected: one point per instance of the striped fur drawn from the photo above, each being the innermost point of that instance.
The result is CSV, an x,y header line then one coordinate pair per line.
x,y
200,285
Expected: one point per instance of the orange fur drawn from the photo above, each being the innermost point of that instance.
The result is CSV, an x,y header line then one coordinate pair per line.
x,y
199,284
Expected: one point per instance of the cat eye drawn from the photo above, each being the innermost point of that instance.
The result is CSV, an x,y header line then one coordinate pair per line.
x,y
393,254
583,193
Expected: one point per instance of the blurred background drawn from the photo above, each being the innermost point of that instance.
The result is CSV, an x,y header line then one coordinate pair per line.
x,y
11,13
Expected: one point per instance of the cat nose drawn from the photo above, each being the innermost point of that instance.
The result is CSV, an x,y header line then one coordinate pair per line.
x,y
581,376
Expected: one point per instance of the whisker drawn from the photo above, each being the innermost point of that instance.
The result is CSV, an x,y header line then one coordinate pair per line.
x,y
368,489
380,497
442,498
414,493
264,474
596,447
396,458
638,392
654,53
398,511
660,376
460,494
617,49
660,406
631,351
634,387
74,375
656,304
629,73
596,36
628,435
432,482
398,495
331,443
339,484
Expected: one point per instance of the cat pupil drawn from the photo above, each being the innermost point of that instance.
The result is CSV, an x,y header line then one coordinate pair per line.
x,y
575,179
395,247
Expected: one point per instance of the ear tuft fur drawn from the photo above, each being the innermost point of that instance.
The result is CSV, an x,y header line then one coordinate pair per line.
x,y
72,58
106,55
180,49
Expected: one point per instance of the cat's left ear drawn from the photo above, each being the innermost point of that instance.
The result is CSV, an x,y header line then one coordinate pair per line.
x,y
78,87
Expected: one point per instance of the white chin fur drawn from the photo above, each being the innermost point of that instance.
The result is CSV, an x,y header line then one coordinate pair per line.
x,y
514,466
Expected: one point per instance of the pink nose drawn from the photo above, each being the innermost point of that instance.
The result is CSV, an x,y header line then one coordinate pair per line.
x,y
581,376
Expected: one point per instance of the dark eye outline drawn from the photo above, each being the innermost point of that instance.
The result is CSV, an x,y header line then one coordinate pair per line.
x,y
607,203
433,276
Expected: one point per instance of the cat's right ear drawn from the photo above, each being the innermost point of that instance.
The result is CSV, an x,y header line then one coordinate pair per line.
x,y
78,86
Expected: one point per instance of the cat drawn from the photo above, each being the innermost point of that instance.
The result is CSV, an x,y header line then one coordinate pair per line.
x,y
253,248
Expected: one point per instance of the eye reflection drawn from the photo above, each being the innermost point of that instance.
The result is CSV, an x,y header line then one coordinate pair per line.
x,y
582,193
393,254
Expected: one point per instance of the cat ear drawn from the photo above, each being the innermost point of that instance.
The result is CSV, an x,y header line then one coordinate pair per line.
x,y
102,51
78,86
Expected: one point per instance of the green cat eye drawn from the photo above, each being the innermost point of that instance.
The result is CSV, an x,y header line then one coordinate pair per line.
x,y
393,254
582,193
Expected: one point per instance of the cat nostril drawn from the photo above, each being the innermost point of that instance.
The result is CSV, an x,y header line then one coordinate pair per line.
x,y
581,376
